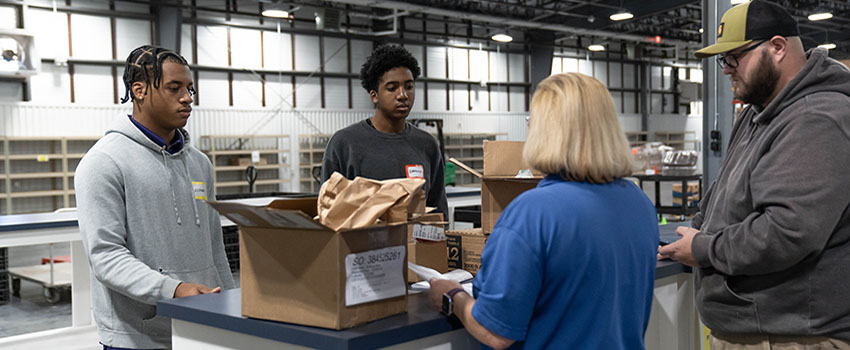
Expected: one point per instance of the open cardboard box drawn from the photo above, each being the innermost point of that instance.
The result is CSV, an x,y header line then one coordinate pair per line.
x,y
499,184
294,269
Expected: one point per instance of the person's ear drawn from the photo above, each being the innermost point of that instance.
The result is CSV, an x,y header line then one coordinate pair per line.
x,y
374,96
139,89
778,48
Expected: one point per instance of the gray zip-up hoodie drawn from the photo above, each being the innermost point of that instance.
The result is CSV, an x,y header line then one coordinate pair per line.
x,y
145,228
774,247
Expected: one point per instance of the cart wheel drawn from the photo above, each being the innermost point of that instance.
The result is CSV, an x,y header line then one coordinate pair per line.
x,y
16,287
52,295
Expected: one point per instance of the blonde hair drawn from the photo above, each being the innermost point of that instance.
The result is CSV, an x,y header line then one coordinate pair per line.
x,y
574,132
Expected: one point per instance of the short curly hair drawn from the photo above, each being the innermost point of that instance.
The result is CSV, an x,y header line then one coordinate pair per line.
x,y
383,59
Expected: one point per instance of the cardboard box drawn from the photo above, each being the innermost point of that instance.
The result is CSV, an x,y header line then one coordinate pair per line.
x,y
430,249
499,184
465,248
246,161
297,270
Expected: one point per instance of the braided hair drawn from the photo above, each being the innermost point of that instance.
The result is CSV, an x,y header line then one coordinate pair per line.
x,y
383,59
144,64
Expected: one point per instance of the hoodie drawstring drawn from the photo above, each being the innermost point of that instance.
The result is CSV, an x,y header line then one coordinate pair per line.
x,y
170,186
194,202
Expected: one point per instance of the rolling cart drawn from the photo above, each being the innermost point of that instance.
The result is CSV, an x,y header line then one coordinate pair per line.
x,y
55,278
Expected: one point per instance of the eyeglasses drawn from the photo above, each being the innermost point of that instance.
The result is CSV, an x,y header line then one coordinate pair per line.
x,y
731,60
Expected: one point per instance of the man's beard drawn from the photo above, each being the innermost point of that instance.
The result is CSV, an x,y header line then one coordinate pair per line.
x,y
763,83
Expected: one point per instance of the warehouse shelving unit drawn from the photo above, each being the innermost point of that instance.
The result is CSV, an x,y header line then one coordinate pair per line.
x,y
468,148
636,138
232,154
680,140
38,172
311,149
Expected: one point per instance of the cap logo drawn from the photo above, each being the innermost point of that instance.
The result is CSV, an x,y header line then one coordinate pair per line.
x,y
720,30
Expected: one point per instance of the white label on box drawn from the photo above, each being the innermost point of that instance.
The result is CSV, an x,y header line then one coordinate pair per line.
x,y
255,157
429,233
374,275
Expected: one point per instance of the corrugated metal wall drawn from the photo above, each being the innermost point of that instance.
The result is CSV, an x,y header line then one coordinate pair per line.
x,y
38,120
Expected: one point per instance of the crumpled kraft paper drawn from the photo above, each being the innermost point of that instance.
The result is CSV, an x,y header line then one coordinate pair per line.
x,y
350,204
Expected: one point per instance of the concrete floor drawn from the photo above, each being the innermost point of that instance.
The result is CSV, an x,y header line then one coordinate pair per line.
x,y
31,312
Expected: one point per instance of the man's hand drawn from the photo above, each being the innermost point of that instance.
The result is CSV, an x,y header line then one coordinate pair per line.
x,y
440,287
185,289
680,250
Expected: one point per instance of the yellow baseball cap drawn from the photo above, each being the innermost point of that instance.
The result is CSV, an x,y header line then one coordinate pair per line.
x,y
744,23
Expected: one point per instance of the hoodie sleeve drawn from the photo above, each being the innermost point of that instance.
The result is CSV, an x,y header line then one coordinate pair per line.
x,y
102,219
217,239
699,217
799,191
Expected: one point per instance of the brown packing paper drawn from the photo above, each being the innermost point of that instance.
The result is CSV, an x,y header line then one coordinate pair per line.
x,y
347,205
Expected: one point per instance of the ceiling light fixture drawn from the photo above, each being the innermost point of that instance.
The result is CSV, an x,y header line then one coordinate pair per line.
x,y
596,47
820,16
736,2
275,13
829,46
622,16
502,38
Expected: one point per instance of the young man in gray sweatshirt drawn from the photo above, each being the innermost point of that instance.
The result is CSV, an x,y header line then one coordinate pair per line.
x,y
140,190
386,146
772,239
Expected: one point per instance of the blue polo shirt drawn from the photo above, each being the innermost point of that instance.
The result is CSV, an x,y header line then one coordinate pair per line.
x,y
177,142
570,265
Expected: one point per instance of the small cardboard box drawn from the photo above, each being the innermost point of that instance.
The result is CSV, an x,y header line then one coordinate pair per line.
x,y
246,161
426,245
465,248
499,184
294,269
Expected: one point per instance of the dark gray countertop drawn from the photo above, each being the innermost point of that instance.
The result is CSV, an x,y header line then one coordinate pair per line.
x,y
37,221
225,311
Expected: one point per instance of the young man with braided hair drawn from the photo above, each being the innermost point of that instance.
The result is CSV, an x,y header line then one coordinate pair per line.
x,y
385,146
140,190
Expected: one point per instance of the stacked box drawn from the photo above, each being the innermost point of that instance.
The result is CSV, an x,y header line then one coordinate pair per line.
x,y
426,245
692,194
230,235
465,248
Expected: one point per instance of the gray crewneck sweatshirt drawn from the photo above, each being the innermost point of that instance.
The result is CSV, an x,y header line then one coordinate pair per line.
x,y
145,228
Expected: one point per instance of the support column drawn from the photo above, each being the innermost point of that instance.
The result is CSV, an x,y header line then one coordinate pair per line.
x,y
542,51
718,112
169,18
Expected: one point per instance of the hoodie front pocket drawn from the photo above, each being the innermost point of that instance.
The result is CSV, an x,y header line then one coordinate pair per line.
x,y
207,276
157,325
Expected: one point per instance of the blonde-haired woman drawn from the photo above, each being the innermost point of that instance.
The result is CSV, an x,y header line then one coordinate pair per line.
x,y
570,264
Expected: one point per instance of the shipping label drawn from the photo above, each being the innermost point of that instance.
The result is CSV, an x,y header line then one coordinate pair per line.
x,y
374,275
429,232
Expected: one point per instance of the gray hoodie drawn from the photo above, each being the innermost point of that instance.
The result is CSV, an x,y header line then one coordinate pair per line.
x,y
145,228
774,247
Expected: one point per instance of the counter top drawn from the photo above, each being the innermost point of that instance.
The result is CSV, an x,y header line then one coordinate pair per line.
x,y
224,311
37,221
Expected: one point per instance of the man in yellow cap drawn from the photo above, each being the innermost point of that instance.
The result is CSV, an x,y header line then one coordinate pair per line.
x,y
771,243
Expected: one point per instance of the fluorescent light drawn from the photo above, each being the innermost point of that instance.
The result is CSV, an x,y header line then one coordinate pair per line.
x,y
736,2
596,47
621,16
502,38
820,16
275,13
829,46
